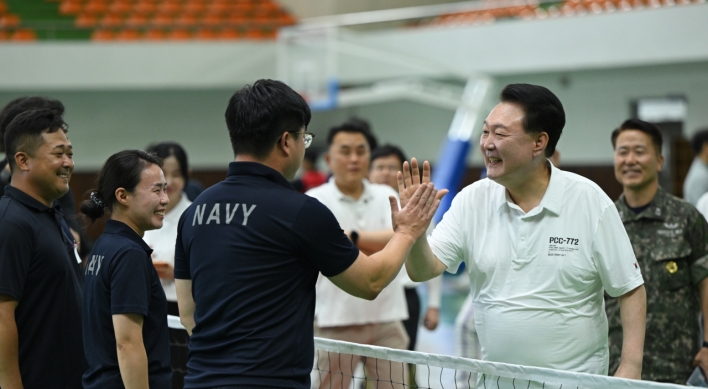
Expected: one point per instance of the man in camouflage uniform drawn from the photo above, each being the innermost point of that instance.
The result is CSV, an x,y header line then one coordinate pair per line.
x,y
670,240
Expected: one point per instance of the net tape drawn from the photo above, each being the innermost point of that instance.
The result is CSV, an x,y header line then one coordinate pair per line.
x,y
558,378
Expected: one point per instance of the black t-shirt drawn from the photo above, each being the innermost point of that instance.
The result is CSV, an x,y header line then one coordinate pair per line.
x,y
39,269
253,248
119,279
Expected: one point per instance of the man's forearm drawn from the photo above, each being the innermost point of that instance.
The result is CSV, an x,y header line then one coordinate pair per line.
x,y
390,260
133,365
371,242
633,308
10,377
186,304
421,264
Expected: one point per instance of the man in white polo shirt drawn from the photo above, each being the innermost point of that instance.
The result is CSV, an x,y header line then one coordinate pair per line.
x,y
541,246
363,211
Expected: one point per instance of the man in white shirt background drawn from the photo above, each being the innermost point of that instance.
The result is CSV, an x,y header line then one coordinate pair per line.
x,y
696,183
363,211
541,246
386,162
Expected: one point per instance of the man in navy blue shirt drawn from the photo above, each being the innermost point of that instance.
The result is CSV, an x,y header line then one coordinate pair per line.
x,y
40,291
249,251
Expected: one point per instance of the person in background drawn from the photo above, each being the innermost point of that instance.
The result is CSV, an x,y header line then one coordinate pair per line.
x,y
386,162
363,211
124,309
175,167
696,182
670,241
311,177
40,274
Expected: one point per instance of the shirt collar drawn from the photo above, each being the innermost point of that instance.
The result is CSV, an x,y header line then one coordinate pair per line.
x,y
653,211
552,200
122,229
366,195
258,169
28,200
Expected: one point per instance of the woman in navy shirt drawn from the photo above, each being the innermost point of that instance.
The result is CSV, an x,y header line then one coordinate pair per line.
x,y
124,310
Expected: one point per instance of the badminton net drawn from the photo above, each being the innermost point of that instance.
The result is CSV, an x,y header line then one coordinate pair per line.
x,y
345,365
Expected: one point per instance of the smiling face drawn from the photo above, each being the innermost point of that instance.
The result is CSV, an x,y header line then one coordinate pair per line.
x,y
637,162
147,203
175,180
348,158
507,149
50,166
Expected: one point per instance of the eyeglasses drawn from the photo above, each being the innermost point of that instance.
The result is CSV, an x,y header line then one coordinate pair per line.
x,y
306,136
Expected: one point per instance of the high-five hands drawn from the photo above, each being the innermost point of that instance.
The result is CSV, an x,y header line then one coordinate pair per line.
x,y
419,200
409,182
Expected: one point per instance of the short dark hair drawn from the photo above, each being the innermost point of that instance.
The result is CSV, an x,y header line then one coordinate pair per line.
x,y
366,127
24,133
640,125
164,150
22,104
388,150
354,126
121,170
698,139
258,114
543,112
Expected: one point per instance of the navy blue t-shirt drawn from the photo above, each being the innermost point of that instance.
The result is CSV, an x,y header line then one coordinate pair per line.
x,y
120,279
39,269
253,248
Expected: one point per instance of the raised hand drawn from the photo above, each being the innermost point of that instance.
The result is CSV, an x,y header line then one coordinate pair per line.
x,y
414,218
409,180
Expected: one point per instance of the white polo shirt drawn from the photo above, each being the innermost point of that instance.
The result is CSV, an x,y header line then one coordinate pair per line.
x,y
537,279
162,242
371,212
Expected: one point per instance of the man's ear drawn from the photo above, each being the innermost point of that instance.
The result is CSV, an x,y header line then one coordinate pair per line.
x,y
540,143
22,160
285,143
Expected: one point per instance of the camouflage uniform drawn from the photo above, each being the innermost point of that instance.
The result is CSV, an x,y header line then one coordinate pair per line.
x,y
670,241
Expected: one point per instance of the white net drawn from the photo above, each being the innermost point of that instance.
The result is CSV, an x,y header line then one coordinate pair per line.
x,y
344,365
432,370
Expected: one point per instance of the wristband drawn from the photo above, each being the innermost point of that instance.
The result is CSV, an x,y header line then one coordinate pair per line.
x,y
705,344
354,237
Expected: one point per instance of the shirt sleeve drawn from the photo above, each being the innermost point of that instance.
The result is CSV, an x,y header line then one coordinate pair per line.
x,y
613,255
694,189
16,247
322,241
697,236
447,241
130,283
181,259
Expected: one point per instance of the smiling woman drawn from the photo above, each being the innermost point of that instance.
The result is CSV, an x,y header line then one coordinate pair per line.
x,y
124,328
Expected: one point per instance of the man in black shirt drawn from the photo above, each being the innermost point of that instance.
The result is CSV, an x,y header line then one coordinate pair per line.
x,y
249,251
7,114
40,291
